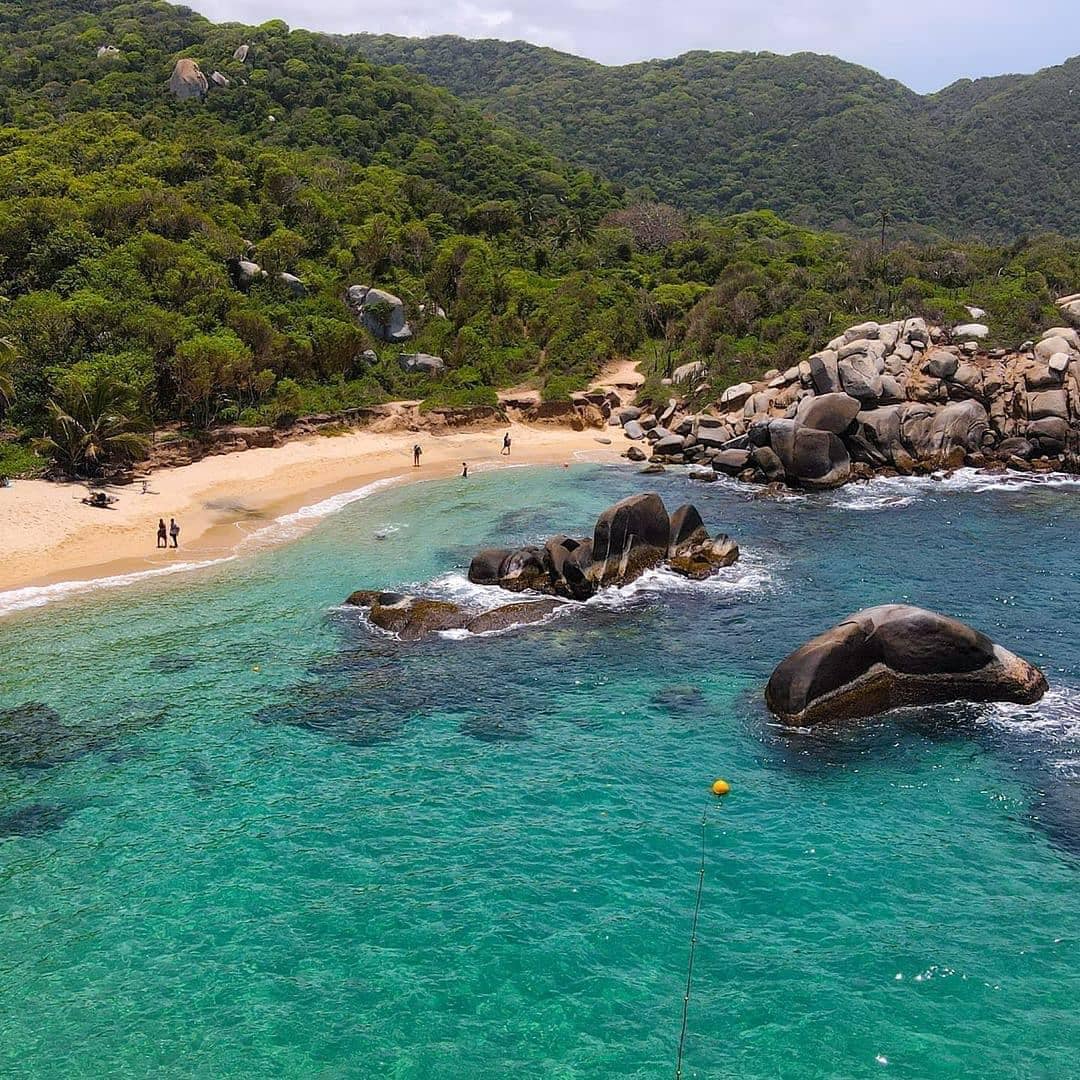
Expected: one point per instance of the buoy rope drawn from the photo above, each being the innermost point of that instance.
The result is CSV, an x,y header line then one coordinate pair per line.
x,y
693,946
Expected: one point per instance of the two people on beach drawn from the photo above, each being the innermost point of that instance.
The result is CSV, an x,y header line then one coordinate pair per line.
x,y
163,534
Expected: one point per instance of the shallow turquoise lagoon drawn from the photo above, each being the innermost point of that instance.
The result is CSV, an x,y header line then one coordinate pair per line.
x,y
244,835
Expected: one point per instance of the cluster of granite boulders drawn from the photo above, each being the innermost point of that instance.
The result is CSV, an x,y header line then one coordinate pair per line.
x,y
187,80
246,273
896,655
899,397
631,537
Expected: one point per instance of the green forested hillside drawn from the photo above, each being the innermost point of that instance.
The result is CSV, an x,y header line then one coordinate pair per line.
x,y
816,139
124,212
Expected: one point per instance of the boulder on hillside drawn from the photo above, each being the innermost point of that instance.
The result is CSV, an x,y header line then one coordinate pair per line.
x,y
246,273
293,284
687,373
421,364
380,312
187,80
241,53
895,655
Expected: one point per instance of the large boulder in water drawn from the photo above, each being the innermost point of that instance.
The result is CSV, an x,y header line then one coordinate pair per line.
x,y
818,459
511,615
486,566
700,559
569,562
382,313
886,657
630,537
931,433
187,80
686,527
524,571
409,617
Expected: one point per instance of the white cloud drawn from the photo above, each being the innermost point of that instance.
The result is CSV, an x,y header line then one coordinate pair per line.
x,y
926,43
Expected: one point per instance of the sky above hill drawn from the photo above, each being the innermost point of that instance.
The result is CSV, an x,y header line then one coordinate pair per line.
x,y
926,44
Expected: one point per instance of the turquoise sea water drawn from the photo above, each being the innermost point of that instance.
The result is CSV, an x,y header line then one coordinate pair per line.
x,y
266,841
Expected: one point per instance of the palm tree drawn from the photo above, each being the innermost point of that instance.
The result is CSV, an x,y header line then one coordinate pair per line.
x,y
7,376
90,427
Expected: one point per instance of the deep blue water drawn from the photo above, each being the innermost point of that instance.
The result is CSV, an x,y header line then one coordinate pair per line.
x,y
243,834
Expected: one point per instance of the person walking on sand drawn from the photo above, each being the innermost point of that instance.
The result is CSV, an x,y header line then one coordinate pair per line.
x,y
506,445
162,535
416,452
174,531
465,470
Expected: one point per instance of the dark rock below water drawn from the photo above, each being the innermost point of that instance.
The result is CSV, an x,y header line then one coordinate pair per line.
x,y
33,736
494,729
894,655
701,560
679,698
33,820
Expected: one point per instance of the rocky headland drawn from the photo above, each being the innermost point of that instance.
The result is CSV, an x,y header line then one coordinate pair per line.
x,y
630,538
895,398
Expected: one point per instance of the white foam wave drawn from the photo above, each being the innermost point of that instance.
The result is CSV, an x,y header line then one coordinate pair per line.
x,y
748,575
458,589
1054,719
895,492
291,526
39,595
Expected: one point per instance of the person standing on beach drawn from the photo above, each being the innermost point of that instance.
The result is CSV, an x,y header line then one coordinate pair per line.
x,y
174,531
465,470
506,445
162,536
416,452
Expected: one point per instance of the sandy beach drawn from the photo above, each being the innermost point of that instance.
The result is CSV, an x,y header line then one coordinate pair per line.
x,y
47,535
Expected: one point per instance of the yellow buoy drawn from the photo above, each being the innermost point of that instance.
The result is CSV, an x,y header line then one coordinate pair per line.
x,y
720,787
